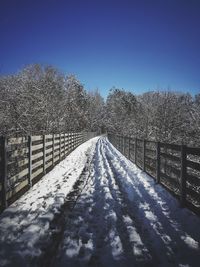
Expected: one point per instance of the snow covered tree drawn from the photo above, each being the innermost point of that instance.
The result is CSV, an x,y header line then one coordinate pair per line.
x,y
121,108
96,112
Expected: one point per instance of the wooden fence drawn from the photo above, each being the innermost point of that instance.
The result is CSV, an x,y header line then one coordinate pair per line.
x,y
176,167
24,160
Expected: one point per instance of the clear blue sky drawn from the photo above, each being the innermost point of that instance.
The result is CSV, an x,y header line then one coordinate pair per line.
x,y
136,45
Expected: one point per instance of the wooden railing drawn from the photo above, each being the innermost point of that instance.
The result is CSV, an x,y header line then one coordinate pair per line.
x,y
24,160
177,167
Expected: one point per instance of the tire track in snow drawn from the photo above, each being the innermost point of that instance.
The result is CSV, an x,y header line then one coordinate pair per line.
x,y
131,240
107,237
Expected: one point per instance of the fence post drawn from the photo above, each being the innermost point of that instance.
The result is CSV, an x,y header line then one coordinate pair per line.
x,y
135,154
183,175
129,143
123,142
70,140
44,154
4,172
60,146
73,141
29,160
53,149
64,146
144,151
158,162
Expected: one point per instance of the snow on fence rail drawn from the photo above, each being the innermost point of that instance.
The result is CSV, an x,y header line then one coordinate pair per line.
x,y
24,160
177,167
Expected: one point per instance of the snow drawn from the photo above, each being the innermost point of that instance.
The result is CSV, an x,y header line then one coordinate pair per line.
x,y
26,222
120,217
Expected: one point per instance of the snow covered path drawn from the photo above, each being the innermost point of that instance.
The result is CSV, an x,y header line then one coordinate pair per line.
x,y
115,215
123,219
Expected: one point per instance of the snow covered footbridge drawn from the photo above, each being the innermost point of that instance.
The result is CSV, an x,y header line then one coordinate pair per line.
x,y
96,208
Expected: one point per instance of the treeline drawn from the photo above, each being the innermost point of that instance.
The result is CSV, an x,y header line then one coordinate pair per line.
x,y
43,100
159,116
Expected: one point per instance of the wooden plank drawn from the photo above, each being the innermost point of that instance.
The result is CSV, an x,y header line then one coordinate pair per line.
x,y
139,162
19,175
20,163
17,140
49,136
56,150
151,159
173,169
16,189
49,143
193,151
37,164
132,141
56,143
170,157
139,140
37,147
49,164
193,165
148,150
56,153
193,193
151,142
193,180
62,149
18,152
37,138
171,146
49,157
139,150
56,159
36,173
38,155
49,150
169,179
153,169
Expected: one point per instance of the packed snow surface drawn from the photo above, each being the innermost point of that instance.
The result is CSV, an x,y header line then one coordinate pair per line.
x,y
120,218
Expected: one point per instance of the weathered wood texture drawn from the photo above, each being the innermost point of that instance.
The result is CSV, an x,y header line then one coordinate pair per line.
x,y
176,167
24,160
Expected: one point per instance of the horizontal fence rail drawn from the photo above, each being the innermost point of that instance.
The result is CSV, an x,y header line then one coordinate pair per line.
x,y
24,160
176,167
